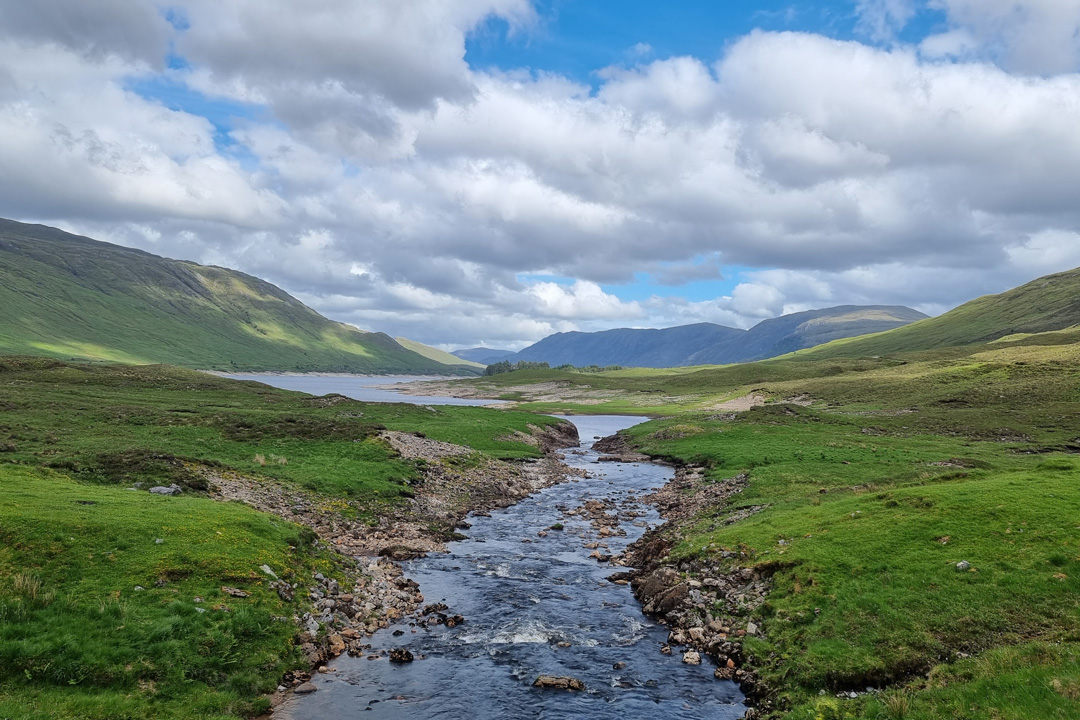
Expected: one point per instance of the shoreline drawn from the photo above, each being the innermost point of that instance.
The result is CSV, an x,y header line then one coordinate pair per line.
x,y
685,596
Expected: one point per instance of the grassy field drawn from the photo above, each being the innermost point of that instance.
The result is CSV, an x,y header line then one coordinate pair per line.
x,y
899,469
78,639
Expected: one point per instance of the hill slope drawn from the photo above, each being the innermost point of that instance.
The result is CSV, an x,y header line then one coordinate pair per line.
x,y
710,344
1046,304
72,297
438,355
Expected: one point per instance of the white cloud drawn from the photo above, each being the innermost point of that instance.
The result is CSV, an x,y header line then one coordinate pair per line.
x,y
1032,36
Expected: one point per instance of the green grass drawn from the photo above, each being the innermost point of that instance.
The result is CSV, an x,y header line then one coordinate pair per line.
x,y
78,640
70,297
116,424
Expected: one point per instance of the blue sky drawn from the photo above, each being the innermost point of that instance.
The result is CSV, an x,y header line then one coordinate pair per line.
x,y
578,37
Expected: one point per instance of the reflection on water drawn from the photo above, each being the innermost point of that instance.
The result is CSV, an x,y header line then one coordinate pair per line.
x,y
533,605
358,387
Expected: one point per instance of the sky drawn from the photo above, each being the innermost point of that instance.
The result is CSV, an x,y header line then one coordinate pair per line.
x,y
489,172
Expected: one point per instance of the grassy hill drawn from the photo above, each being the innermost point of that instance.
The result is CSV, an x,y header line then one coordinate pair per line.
x,y
1048,304
67,296
437,355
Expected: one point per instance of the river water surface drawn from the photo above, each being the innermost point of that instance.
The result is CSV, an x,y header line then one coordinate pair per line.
x,y
532,605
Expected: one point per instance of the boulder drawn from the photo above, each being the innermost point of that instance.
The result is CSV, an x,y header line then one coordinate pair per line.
x,y
173,489
305,688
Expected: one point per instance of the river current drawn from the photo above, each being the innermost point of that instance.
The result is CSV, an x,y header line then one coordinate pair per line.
x,y
532,605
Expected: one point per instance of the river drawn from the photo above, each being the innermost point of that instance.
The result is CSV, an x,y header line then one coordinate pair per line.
x,y
532,605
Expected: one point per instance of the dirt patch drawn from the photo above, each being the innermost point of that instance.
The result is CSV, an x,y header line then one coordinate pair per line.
x,y
739,404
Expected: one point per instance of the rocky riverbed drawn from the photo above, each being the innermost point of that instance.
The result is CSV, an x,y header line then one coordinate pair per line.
x,y
523,619
454,482
707,604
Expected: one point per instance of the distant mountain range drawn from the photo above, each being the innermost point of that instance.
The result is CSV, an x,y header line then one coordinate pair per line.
x,y
708,343
68,296
482,355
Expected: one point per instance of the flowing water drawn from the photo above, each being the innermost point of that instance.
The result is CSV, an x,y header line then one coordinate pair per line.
x,y
532,605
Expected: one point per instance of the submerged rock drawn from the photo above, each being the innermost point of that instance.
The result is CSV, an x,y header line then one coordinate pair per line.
x,y
559,683
400,655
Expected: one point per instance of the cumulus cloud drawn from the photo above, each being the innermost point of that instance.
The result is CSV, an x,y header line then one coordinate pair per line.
x,y
391,185
1033,36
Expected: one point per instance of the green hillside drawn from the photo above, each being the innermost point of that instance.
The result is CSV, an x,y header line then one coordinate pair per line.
x,y
67,296
1047,304
438,355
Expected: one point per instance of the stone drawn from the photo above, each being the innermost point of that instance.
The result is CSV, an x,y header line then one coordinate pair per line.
x,y
618,666
724,673
173,489
963,566
284,590
305,688
401,655
751,629
697,634
266,569
234,592
337,645
158,541
691,657
558,683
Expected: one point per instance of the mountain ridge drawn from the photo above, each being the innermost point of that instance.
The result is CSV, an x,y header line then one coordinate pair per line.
x,y
713,344
70,296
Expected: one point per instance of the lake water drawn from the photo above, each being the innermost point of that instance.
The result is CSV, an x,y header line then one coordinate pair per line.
x,y
532,605
358,387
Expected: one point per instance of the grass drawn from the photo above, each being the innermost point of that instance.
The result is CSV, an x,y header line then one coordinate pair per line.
x,y
116,424
77,638
70,297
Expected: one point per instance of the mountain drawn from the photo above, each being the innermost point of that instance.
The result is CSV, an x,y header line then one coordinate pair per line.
x,y
1047,304
669,347
438,355
711,344
797,331
68,296
482,355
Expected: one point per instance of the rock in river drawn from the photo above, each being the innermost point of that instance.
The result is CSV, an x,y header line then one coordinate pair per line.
x,y
559,683
400,655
